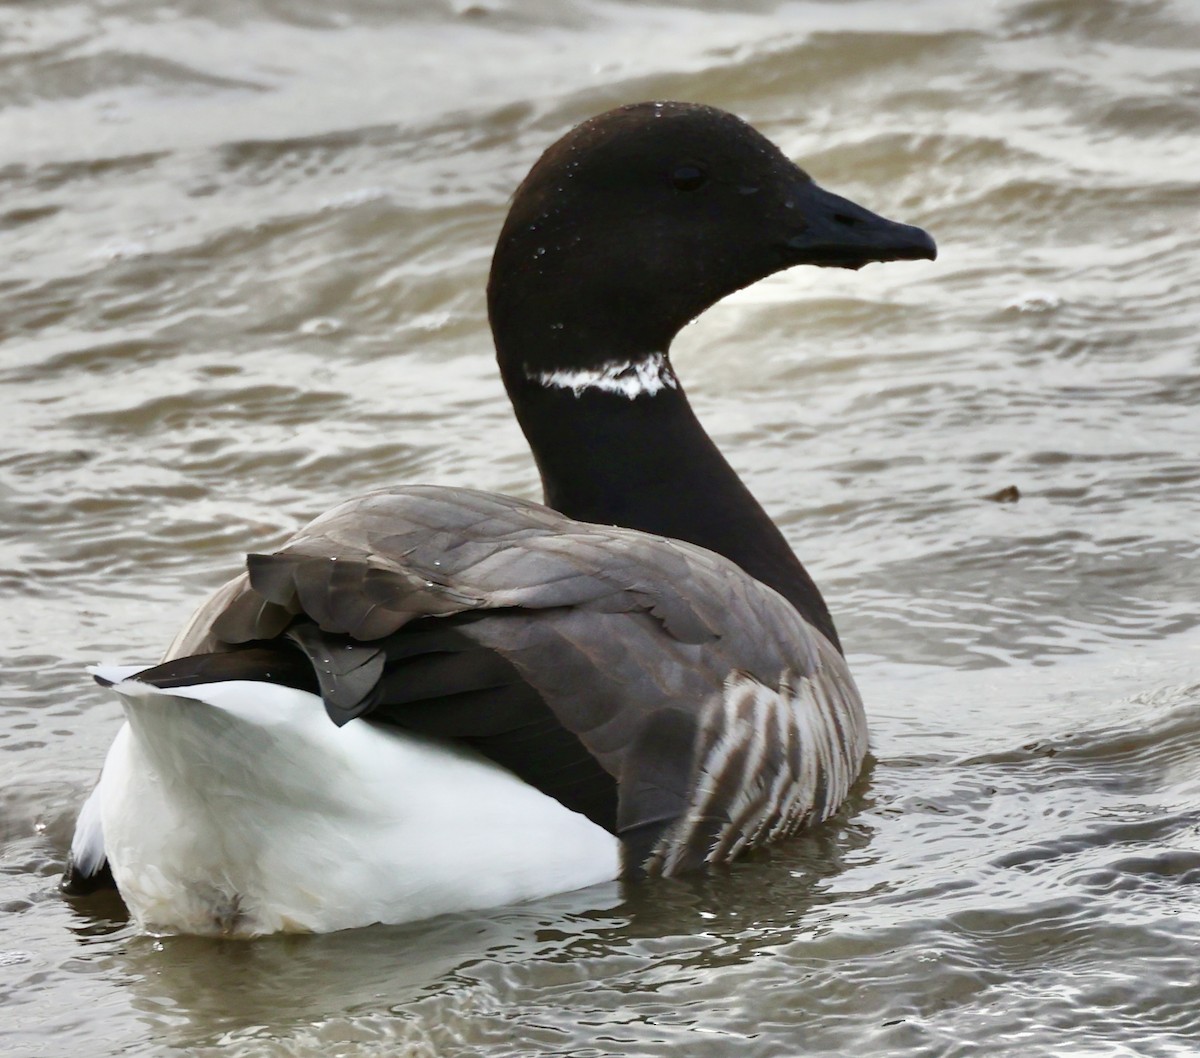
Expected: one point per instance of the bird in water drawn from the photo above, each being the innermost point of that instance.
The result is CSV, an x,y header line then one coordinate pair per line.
x,y
437,699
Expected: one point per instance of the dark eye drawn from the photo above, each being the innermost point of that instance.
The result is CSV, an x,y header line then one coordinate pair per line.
x,y
688,177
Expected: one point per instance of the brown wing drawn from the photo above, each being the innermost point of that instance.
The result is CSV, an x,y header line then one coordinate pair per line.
x,y
646,682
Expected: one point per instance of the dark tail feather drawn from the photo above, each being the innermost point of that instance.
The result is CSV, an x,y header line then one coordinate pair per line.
x,y
278,662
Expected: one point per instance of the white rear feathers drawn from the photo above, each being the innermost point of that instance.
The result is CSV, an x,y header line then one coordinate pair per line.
x,y
238,808
87,846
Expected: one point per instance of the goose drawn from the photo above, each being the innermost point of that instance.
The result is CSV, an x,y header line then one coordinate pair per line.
x,y
438,699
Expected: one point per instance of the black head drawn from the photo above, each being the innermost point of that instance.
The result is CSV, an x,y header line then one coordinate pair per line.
x,y
638,220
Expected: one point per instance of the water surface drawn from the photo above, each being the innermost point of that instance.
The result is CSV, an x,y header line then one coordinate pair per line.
x,y
244,252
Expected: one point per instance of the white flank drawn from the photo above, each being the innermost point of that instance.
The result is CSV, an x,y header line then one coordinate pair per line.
x,y
794,752
240,808
626,378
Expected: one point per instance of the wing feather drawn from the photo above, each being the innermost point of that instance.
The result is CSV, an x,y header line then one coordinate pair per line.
x,y
699,699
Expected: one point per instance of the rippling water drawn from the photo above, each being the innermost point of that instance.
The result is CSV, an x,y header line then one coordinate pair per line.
x,y
244,251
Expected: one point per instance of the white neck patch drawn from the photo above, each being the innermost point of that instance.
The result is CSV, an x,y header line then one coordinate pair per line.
x,y
627,378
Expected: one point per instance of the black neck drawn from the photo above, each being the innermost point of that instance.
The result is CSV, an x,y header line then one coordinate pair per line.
x,y
648,464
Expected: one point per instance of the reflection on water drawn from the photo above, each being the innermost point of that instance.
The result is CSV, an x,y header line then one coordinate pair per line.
x,y
245,248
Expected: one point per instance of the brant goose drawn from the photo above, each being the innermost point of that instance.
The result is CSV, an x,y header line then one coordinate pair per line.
x,y
435,699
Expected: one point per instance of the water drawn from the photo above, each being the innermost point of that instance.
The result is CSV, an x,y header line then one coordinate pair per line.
x,y
244,251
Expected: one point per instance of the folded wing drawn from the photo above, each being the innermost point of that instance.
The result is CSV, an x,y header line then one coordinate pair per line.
x,y
648,683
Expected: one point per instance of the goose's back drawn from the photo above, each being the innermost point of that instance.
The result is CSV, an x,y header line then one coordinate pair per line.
x,y
701,714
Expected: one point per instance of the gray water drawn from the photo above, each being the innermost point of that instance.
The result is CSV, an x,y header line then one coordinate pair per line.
x,y
242,256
